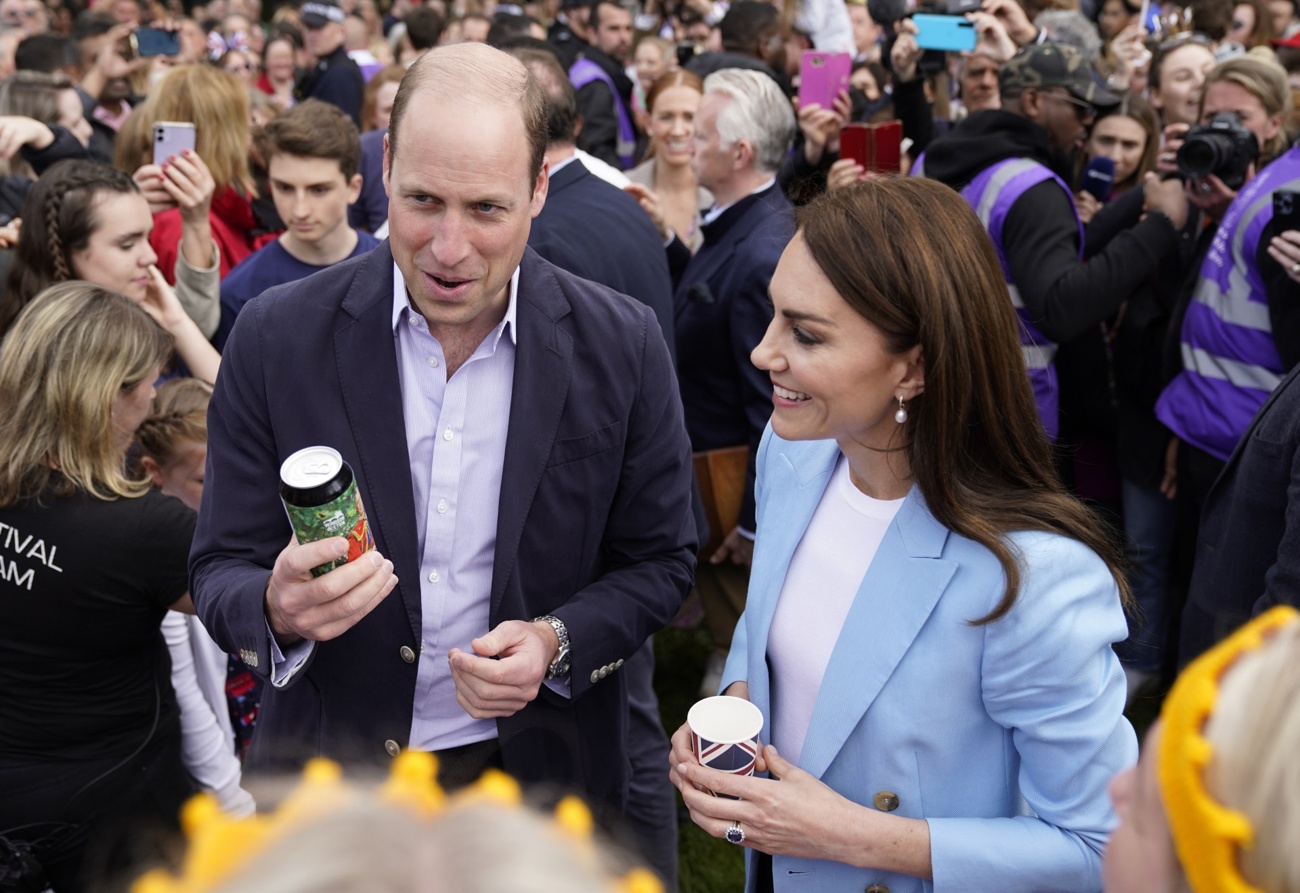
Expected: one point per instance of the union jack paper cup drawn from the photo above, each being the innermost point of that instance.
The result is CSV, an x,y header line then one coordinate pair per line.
x,y
724,734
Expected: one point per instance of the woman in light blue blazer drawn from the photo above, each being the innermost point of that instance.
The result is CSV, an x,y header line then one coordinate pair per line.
x,y
930,617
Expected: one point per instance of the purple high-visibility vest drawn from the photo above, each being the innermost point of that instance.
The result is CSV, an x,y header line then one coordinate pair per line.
x,y
1230,360
991,194
583,72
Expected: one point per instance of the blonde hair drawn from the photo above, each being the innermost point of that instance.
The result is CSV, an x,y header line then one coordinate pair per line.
x,y
179,415
1255,735
70,353
1266,81
216,102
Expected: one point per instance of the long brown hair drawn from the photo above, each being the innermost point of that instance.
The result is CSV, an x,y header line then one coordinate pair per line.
x,y
911,257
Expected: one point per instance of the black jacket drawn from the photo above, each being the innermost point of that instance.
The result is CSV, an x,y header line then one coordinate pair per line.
x,y
335,79
599,134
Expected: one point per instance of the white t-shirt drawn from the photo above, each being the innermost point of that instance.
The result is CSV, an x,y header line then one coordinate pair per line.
x,y
824,577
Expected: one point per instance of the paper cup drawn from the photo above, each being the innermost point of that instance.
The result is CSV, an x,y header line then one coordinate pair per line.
x,y
724,734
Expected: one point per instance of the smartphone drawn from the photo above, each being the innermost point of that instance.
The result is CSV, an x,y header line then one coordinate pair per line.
x,y
855,143
822,76
961,7
1286,210
949,33
888,147
171,138
155,42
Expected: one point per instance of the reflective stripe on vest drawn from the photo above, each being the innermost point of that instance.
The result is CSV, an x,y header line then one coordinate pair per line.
x,y
1230,360
992,194
583,72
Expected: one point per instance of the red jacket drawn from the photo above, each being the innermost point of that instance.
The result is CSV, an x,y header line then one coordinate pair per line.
x,y
232,227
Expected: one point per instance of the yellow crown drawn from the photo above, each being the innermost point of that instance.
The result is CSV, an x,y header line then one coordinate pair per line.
x,y
1208,836
219,845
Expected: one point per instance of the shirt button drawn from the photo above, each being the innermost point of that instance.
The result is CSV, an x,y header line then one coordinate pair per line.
x,y
885,801
392,747
433,361
446,434
412,320
442,506
433,576
407,653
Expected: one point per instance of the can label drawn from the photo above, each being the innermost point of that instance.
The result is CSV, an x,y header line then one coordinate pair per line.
x,y
315,476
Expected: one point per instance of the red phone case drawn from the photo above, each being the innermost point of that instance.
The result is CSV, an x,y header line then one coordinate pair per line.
x,y
855,143
888,140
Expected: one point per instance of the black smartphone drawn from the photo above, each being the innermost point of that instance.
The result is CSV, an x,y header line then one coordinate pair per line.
x,y
1286,210
155,42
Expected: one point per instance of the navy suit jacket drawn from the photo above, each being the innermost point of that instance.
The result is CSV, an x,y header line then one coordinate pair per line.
x,y
594,518
722,309
1248,549
597,231
370,210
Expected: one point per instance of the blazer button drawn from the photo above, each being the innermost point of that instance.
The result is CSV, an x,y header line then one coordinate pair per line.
x,y
407,654
595,676
392,747
886,801
619,664
877,888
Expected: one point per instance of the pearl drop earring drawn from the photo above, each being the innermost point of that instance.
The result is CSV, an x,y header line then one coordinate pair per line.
x,y
901,415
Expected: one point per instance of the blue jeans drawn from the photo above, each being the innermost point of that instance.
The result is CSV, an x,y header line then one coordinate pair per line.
x,y
1149,524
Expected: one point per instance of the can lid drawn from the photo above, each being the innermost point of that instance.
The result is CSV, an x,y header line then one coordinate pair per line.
x,y
311,467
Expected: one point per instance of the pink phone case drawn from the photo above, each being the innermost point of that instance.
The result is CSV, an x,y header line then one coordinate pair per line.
x,y
822,76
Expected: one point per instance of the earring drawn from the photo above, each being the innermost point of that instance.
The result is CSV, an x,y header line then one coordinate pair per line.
x,y
901,415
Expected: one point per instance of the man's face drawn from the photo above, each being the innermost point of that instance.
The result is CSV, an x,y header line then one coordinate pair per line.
x,y
311,196
713,163
115,90
461,203
1283,13
1065,119
613,32
322,41
865,31
979,84
29,15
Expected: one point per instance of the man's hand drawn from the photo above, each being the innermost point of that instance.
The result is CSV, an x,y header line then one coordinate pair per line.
x,y
1165,196
488,688
649,203
300,606
17,131
1012,16
906,54
735,548
991,38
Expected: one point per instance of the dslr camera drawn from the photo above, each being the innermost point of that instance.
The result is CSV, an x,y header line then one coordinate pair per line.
x,y
1223,147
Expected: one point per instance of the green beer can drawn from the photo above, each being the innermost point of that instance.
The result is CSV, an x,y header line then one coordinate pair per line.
x,y
321,498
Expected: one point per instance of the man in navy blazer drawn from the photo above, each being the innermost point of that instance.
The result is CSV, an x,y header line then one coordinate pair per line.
x,y
592,543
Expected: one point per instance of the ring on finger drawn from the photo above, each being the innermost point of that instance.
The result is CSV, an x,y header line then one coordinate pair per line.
x,y
1295,268
736,834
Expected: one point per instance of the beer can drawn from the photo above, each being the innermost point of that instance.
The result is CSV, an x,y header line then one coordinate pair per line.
x,y
321,498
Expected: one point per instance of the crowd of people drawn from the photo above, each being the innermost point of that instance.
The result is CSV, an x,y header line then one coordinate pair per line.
x,y
955,456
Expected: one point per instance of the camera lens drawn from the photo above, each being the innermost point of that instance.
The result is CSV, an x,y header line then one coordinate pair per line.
x,y
1204,154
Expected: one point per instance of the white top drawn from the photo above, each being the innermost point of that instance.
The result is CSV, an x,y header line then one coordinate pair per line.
x,y
824,577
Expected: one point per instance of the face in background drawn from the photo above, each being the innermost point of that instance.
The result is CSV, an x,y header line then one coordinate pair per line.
x,y
131,407
384,104
979,83
183,478
1065,121
1284,16
28,15
1226,96
1182,74
650,63
117,256
1243,24
832,374
72,116
865,82
242,66
1140,855
1122,140
613,32
461,203
322,41
714,164
280,62
672,125
311,196
1113,18
865,31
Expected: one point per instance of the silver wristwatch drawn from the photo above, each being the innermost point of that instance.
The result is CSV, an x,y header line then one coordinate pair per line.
x,y
559,667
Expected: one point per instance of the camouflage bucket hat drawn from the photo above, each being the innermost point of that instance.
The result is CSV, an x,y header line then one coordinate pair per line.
x,y
1054,65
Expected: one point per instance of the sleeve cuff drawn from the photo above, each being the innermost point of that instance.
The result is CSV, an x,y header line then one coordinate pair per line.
x,y
285,665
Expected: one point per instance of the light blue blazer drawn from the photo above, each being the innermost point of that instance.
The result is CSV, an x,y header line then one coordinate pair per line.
x,y
1003,737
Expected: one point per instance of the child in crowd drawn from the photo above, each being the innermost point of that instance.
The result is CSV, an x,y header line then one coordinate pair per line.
x,y
312,153
218,706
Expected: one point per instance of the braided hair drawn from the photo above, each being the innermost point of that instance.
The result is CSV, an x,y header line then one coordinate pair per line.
x,y
58,221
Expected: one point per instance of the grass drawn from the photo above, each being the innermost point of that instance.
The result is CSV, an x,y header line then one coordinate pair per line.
x,y
706,864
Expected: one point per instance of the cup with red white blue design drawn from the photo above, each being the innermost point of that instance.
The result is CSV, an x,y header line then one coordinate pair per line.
x,y
724,735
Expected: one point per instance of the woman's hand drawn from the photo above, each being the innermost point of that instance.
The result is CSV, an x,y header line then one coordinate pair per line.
x,y
1211,195
189,183
1130,51
17,131
9,233
736,548
649,203
680,744
1285,249
818,125
1088,206
844,172
149,180
991,38
161,303
1013,18
905,55
1171,140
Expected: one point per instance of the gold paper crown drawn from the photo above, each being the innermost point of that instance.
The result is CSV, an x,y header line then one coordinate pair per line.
x,y
220,845
1208,836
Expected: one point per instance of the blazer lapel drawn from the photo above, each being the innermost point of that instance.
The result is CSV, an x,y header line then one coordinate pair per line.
x,y
543,365
372,398
898,593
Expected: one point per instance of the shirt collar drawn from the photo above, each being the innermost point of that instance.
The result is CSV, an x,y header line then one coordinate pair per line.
x,y
717,210
402,306
559,166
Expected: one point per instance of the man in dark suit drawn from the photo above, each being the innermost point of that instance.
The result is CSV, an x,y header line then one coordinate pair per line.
x,y
595,230
743,131
519,447
1248,548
